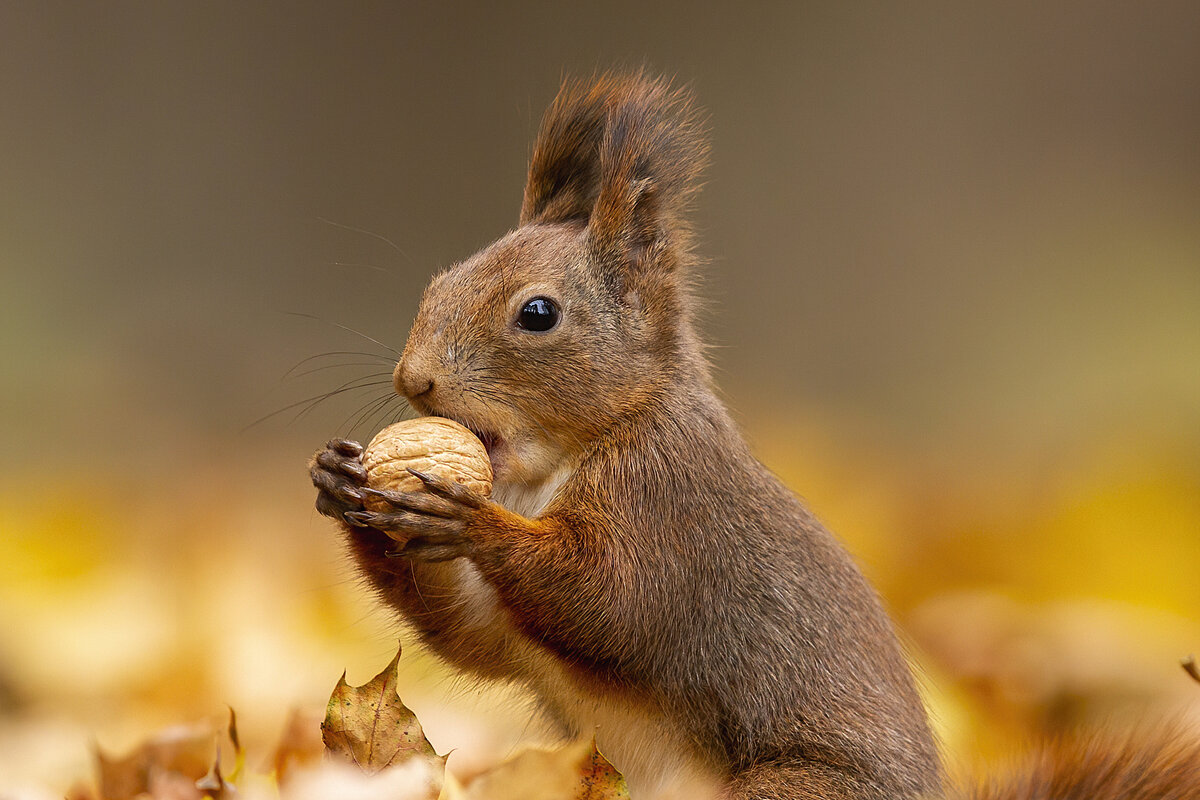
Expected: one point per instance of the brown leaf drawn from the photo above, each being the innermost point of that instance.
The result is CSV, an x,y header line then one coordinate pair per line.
x,y
299,747
238,752
575,772
213,786
80,791
369,726
172,786
599,779
1189,666
182,750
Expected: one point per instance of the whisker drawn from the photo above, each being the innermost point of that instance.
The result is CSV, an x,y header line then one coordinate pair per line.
x,y
376,420
347,364
372,408
366,232
347,329
305,411
361,265
314,400
401,413
331,353
352,421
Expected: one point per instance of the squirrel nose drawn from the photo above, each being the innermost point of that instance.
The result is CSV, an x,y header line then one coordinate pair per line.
x,y
409,382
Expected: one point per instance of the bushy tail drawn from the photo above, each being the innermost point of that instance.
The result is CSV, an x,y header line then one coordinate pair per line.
x,y
1162,764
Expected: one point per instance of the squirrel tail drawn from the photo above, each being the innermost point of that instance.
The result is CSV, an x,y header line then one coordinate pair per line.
x,y
1160,764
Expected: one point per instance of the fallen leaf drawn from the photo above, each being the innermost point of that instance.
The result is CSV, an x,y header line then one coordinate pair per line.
x,y
599,779
239,753
185,750
1189,666
164,785
341,780
299,747
80,791
452,789
369,726
575,772
213,786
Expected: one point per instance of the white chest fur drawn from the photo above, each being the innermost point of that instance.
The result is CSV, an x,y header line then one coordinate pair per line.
x,y
653,757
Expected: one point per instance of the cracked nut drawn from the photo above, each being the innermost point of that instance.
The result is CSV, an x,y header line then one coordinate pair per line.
x,y
435,445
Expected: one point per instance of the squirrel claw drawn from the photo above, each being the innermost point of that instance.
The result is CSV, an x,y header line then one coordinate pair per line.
x,y
346,447
438,548
448,489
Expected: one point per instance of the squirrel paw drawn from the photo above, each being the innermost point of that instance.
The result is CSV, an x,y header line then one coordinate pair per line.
x,y
432,524
338,473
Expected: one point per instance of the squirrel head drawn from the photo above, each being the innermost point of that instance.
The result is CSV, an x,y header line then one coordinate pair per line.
x,y
582,315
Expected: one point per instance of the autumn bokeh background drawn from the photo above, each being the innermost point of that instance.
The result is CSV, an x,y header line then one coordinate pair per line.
x,y
954,285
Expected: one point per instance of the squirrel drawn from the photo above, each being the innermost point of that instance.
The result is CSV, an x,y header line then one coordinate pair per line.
x,y
636,567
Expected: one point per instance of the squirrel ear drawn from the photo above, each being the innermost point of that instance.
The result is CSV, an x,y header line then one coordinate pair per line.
x,y
624,155
625,221
564,170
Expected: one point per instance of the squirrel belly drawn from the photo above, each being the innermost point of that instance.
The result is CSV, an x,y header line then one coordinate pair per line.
x,y
477,634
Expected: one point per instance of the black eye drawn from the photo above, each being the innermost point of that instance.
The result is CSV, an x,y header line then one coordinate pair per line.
x,y
539,315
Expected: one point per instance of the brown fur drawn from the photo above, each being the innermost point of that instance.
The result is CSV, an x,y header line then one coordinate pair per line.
x,y
643,571
1163,764
669,572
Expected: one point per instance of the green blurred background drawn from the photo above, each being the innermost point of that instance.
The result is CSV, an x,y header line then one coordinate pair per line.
x,y
953,280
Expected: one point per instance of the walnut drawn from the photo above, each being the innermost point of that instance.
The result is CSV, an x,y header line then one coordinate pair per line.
x,y
435,445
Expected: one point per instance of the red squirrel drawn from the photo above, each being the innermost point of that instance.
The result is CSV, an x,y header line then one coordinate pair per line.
x,y
636,567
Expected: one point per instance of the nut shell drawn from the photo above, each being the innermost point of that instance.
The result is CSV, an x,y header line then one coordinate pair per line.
x,y
435,445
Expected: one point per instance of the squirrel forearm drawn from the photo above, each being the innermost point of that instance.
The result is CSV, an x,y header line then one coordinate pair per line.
x,y
556,575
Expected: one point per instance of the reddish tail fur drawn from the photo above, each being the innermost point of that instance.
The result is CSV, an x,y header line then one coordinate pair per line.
x,y
1163,764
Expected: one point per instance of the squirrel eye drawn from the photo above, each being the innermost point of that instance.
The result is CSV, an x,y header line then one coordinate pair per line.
x,y
538,315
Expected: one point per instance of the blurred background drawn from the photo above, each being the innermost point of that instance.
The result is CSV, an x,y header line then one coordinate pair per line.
x,y
953,280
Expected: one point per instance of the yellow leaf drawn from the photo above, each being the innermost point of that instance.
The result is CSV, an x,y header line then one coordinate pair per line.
x,y
599,779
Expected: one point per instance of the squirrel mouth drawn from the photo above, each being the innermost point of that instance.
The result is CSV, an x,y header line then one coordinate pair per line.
x,y
490,440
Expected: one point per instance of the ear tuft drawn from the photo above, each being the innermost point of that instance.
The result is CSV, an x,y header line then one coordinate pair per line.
x,y
624,153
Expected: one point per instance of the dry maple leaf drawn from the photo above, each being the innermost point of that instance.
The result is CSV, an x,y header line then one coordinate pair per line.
x,y
1189,666
299,748
599,779
184,750
369,726
213,786
575,772
176,764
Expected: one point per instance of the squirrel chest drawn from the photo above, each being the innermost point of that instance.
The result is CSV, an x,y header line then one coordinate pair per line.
x,y
655,760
